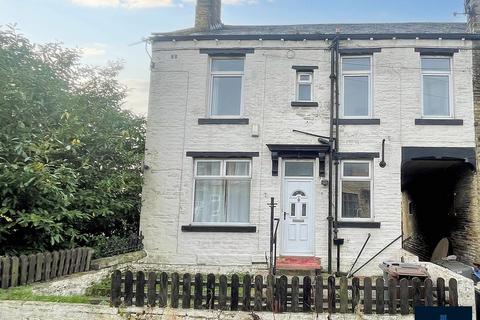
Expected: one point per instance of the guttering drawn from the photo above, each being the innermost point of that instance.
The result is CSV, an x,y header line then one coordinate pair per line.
x,y
301,37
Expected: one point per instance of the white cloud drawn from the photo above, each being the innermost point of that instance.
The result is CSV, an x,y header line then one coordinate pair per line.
x,y
137,95
230,2
96,49
129,4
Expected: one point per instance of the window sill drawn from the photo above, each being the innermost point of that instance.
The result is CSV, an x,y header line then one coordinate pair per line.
x,y
358,121
304,104
439,122
218,228
358,224
223,121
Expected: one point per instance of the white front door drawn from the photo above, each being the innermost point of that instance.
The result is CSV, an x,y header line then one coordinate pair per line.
x,y
298,227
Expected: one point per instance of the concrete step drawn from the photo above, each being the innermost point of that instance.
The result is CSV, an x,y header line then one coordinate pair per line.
x,y
298,266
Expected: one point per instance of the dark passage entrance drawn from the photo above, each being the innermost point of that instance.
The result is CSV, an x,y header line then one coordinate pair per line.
x,y
437,194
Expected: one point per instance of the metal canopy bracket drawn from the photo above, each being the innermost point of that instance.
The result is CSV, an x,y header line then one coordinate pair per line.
x,y
295,151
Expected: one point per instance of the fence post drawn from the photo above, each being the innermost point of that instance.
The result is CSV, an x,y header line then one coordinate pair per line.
x,y
234,293
380,297
282,293
258,305
116,294
55,258
404,290
270,292
163,295
222,292
32,259
73,256
295,294
66,266
428,292
319,294
40,267
23,269
140,289
355,293
452,293
440,292
392,296
88,259
48,266
187,290
198,292
128,288
367,295
61,263
5,268
151,289
307,294
417,292
210,291
343,294
175,290
331,295
14,273
247,292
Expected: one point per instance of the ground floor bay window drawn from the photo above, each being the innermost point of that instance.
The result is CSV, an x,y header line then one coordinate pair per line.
x,y
222,191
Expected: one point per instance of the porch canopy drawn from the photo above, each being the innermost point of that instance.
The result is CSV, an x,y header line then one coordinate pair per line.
x,y
297,151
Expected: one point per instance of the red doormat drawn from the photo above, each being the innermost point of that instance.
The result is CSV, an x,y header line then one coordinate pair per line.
x,y
298,263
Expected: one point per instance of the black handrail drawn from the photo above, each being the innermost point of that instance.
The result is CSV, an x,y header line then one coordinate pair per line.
x,y
274,269
273,236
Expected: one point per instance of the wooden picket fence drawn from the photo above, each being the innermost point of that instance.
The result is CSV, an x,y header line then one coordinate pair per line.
x,y
43,266
279,294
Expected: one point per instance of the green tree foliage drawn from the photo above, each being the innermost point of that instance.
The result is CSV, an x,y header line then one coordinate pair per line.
x,y
70,157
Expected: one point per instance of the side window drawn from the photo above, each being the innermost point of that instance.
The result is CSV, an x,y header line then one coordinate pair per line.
x,y
436,87
222,191
356,87
305,86
226,82
356,188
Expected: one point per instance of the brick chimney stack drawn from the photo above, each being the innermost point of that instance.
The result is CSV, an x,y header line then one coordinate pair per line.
x,y
472,9
208,15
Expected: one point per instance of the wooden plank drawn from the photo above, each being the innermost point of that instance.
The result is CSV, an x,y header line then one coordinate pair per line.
x,y
140,289
307,294
55,260
61,262
404,306
15,272
23,269
331,295
116,289
40,269
89,258
198,292
73,260
355,293
247,292
392,296
83,259
367,295
151,289
270,293
210,301
282,286
128,295
258,299
163,295
234,292
6,267
48,266
78,260
428,285
417,292
32,260
343,293
379,296
440,292
186,291
319,294
222,292
68,258
452,293
295,294
175,290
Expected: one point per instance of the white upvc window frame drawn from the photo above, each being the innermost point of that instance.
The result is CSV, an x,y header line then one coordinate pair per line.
x,y
226,74
223,176
299,82
345,74
450,86
351,178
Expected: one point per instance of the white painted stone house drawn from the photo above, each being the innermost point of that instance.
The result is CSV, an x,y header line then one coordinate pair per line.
x,y
224,104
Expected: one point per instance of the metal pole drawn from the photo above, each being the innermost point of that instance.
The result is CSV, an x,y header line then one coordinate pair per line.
x,y
272,213
358,256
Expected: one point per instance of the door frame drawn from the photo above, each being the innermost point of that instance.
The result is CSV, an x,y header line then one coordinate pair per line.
x,y
283,230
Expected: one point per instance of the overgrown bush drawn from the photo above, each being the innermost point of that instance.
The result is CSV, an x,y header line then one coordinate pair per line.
x,y
70,157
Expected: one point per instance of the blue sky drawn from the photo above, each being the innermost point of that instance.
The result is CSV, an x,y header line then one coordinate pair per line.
x,y
106,29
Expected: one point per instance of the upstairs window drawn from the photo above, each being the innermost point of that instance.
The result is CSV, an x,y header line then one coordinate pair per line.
x,y
356,186
222,191
436,86
226,84
305,86
356,82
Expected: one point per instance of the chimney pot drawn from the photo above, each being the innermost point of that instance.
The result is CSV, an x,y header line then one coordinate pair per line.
x,y
208,15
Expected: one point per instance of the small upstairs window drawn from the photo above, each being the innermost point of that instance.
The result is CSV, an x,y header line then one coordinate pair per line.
x,y
304,86
436,87
226,83
356,87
